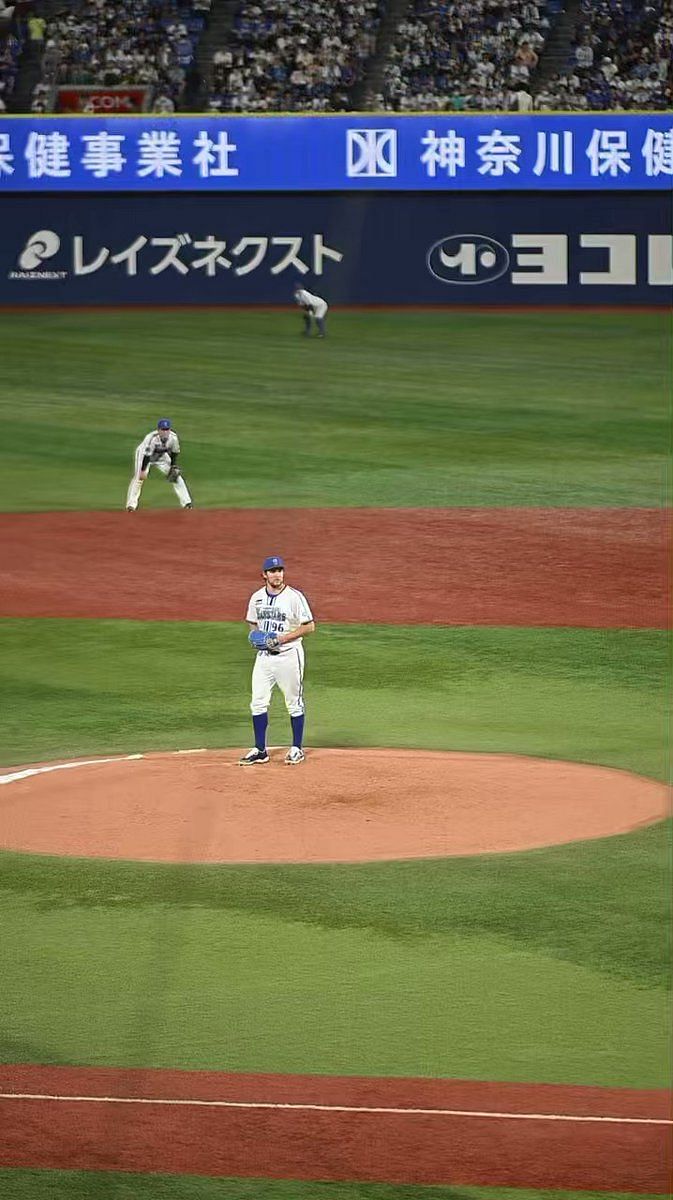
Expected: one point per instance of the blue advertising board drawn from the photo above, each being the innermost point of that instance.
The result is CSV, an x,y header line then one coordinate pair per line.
x,y
401,248
436,152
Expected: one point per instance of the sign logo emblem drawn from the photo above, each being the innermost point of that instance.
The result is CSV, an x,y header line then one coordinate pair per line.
x,y
371,153
467,258
41,245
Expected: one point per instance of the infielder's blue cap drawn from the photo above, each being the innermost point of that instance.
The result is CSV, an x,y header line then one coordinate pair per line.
x,y
271,562
164,423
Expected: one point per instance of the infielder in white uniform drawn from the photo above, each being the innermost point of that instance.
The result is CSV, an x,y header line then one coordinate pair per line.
x,y
315,309
279,617
159,449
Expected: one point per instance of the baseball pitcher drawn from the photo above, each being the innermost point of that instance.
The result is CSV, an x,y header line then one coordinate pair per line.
x,y
315,309
279,618
159,449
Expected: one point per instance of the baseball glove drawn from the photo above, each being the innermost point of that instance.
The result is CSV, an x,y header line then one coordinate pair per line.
x,y
263,641
173,474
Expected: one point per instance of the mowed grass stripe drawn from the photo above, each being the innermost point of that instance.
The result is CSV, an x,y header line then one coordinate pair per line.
x,y
103,1185
394,408
604,904
265,992
72,688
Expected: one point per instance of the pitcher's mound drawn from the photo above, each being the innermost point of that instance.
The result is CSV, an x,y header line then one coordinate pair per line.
x,y
337,806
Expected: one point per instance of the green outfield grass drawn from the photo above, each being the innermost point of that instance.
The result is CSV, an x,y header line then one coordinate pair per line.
x,y
103,1185
321,983
366,969
398,408
73,687
551,965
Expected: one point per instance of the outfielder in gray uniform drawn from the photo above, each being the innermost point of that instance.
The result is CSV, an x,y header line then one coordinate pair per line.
x,y
159,449
314,309
279,617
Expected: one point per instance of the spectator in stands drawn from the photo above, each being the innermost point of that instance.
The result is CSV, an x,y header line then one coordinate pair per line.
x,y
525,56
10,49
584,54
163,104
521,100
51,60
36,27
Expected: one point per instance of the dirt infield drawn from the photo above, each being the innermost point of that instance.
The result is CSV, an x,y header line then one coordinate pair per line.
x,y
421,1131
338,806
592,568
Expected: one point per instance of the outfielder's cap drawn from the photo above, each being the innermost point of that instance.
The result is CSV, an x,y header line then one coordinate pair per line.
x,y
164,423
271,562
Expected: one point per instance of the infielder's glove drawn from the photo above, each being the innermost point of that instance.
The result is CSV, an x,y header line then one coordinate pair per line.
x,y
173,474
263,641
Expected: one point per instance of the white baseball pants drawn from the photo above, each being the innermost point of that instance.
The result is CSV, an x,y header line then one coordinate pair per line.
x,y
162,464
284,670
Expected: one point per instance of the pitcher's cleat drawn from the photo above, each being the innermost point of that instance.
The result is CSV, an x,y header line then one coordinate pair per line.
x,y
253,757
294,755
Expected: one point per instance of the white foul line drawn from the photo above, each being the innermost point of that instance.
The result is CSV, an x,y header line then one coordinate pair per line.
x,y
66,766
340,1108
27,772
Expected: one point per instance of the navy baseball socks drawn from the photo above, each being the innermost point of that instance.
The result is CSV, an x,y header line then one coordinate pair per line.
x,y
298,730
259,754
295,754
260,723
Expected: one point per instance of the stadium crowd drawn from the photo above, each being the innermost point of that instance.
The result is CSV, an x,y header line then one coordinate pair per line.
x,y
620,59
12,36
298,55
465,54
294,55
141,42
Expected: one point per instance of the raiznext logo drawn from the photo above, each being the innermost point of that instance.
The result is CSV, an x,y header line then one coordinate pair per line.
x,y
42,245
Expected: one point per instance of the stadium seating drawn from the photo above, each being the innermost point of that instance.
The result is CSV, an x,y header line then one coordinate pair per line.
x,y
464,54
12,38
619,59
294,55
314,55
142,42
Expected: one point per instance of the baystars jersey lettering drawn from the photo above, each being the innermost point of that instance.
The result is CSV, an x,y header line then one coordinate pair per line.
x,y
281,613
153,446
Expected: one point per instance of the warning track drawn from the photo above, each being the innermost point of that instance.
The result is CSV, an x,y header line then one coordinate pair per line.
x,y
323,1127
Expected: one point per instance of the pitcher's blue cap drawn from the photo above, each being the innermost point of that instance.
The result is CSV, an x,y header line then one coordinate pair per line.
x,y
164,423
273,561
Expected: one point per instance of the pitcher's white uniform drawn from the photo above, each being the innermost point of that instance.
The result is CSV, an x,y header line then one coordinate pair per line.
x,y
158,451
316,306
279,613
